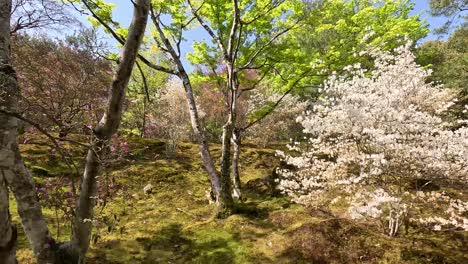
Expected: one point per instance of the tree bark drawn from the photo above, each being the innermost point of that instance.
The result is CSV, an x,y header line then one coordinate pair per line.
x,y
228,128
225,180
7,230
232,87
143,124
7,250
202,141
13,172
106,127
236,183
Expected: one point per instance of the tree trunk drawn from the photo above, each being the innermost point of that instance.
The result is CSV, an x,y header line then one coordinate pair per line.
x,y
236,183
106,127
202,141
7,230
143,124
223,201
7,242
12,170
225,168
228,128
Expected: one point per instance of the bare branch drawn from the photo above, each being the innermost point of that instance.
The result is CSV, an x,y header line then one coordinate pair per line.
x,y
275,105
121,40
67,158
145,83
264,46
27,14
208,29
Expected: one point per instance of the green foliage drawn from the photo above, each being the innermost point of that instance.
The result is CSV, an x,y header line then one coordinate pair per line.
x,y
101,9
448,60
262,22
333,33
261,112
453,10
142,94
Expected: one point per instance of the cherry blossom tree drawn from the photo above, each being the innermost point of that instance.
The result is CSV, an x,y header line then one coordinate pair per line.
x,y
379,140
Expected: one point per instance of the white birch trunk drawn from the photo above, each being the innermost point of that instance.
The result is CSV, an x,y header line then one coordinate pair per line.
x,y
236,183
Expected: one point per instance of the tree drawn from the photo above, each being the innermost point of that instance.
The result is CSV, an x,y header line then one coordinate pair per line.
x,y
19,178
168,39
453,10
64,83
107,127
17,16
243,38
448,60
334,31
252,36
13,171
376,141
326,39
31,14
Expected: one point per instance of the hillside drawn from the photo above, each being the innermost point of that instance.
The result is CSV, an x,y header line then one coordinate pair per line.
x,y
174,223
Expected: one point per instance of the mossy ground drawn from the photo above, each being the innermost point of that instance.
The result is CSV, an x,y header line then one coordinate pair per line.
x,y
175,223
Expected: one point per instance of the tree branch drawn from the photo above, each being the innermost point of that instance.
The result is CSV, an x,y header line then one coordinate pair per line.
x,y
122,40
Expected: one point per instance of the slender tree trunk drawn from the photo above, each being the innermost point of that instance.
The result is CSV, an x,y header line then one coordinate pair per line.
x,y
223,202
225,168
21,183
220,188
236,183
143,125
12,170
106,127
201,139
228,128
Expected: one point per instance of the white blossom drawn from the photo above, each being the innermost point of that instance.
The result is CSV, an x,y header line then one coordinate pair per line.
x,y
382,129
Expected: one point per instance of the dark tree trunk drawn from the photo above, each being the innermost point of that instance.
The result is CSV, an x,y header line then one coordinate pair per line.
x,y
7,230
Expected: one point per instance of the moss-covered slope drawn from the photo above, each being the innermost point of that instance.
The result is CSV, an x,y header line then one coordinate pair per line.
x,y
174,224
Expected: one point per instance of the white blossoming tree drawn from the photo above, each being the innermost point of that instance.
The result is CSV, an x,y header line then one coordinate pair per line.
x,y
379,141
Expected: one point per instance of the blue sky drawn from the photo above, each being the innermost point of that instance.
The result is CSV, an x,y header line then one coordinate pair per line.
x,y
123,12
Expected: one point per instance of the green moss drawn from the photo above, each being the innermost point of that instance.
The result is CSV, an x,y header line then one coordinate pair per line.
x,y
175,224
39,171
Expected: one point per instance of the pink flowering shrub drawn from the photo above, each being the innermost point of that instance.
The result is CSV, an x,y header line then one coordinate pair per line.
x,y
60,196
118,148
379,139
